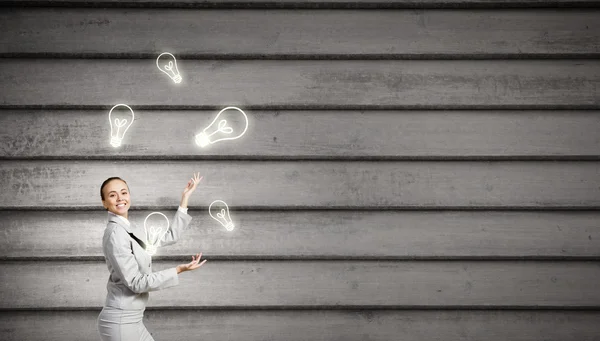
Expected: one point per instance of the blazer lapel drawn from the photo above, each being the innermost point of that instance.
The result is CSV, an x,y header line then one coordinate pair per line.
x,y
137,234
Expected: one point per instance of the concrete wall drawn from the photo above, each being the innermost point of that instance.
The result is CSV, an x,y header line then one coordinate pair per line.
x,y
423,170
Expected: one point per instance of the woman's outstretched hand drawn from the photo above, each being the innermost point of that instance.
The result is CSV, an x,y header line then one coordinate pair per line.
x,y
189,189
191,185
193,265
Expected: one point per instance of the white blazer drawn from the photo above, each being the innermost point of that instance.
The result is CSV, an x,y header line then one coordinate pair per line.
x,y
130,266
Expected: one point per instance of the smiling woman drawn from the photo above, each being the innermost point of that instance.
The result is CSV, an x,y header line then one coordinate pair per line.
x,y
130,265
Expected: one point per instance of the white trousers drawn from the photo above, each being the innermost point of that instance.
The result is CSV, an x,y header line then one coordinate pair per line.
x,y
122,325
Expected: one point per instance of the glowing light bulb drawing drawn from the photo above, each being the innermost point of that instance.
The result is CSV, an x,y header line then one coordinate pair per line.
x,y
218,130
155,230
167,63
219,211
120,121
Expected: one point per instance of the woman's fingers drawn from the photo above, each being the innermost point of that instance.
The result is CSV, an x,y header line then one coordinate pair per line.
x,y
196,266
196,178
195,259
195,263
194,181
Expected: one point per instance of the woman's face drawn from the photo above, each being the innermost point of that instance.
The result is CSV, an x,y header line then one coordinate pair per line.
x,y
116,197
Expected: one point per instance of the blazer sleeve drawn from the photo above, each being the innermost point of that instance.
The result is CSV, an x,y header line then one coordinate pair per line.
x,y
118,251
180,223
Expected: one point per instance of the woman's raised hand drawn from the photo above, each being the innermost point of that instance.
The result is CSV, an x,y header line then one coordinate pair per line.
x,y
193,265
191,185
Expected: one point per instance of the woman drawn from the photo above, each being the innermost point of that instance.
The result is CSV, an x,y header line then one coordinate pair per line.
x,y
130,266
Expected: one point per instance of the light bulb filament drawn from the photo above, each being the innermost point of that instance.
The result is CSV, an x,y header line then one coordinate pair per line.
x,y
153,235
221,127
119,123
169,67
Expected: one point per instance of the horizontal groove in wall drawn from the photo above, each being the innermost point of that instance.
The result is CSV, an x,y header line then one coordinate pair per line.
x,y
329,307
244,258
183,56
93,109
314,107
370,158
402,4
322,208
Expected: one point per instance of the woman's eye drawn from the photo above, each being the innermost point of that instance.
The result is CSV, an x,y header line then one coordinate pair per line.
x,y
124,193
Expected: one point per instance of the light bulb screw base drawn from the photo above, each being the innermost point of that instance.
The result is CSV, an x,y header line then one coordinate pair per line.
x,y
115,142
202,140
151,249
177,79
229,227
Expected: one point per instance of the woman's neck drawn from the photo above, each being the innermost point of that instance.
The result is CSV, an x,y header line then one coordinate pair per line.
x,y
120,216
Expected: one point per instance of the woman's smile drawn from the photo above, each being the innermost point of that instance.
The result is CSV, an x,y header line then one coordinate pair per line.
x,y
121,205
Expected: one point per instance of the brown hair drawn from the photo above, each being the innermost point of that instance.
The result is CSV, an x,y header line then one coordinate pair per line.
x,y
109,180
